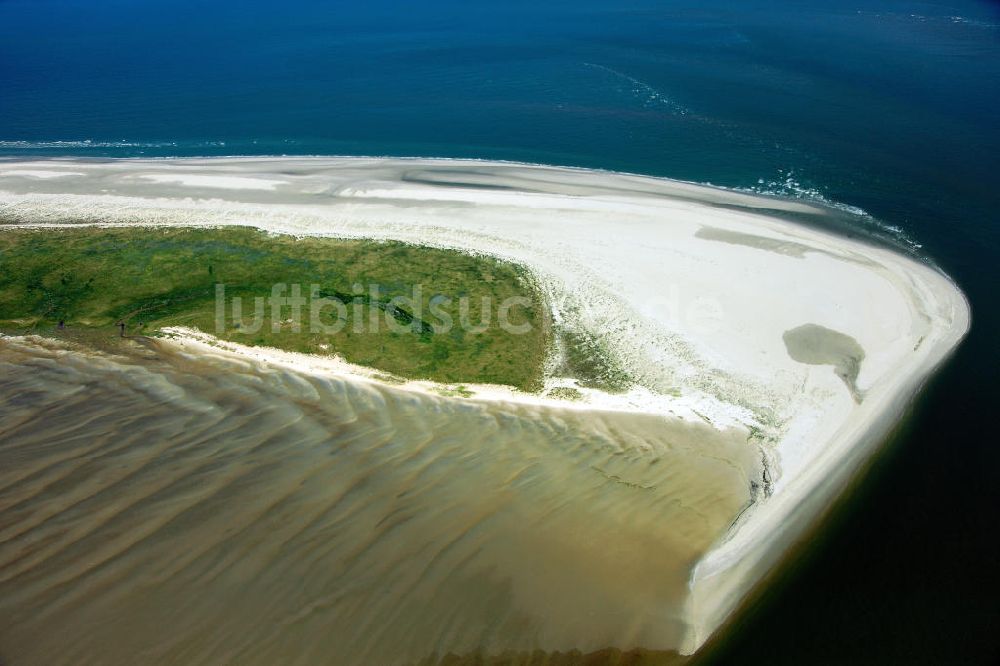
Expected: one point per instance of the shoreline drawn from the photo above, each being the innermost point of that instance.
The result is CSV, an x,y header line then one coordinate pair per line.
x,y
878,235
907,316
813,539
635,401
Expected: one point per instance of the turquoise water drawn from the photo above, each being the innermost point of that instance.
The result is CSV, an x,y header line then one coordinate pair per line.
x,y
886,106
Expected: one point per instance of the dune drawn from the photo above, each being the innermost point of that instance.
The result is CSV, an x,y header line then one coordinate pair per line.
x,y
729,310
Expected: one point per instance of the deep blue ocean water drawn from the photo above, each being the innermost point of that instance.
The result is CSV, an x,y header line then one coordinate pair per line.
x,y
884,105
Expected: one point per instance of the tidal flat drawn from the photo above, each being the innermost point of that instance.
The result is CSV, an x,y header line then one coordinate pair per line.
x,y
158,506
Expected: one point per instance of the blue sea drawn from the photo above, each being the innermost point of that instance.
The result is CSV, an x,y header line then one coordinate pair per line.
x,y
883,106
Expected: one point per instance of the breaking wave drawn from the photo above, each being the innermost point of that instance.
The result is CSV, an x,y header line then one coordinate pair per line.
x,y
92,144
788,186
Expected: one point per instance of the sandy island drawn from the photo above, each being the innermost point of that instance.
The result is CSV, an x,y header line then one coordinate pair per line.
x,y
721,307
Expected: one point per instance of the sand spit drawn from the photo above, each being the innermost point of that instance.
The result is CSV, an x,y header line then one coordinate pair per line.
x,y
811,343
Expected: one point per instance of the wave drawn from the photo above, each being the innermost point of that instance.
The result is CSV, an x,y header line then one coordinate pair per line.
x,y
94,144
973,22
953,19
788,186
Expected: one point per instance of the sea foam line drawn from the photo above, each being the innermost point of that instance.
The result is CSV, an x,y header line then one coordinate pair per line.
x,y
649,95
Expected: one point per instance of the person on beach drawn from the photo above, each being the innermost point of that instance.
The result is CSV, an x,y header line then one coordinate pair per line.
x,y
121,326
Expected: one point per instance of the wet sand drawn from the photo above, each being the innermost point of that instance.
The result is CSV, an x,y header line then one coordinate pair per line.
x,y
161,507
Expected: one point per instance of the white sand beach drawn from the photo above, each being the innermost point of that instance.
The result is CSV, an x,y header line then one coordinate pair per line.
x,y
720,306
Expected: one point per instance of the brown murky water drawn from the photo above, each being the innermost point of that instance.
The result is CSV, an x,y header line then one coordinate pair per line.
x,y
159,508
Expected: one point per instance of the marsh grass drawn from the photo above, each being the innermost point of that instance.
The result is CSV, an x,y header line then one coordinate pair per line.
x,y
150,278
587,358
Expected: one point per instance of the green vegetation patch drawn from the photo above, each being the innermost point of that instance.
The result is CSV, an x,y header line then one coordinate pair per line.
x,y
415,312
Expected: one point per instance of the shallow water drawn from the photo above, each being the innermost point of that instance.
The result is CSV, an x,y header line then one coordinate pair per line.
x,y
159,507
818,345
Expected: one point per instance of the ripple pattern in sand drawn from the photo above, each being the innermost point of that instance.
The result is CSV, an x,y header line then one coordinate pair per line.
x,y
161,508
